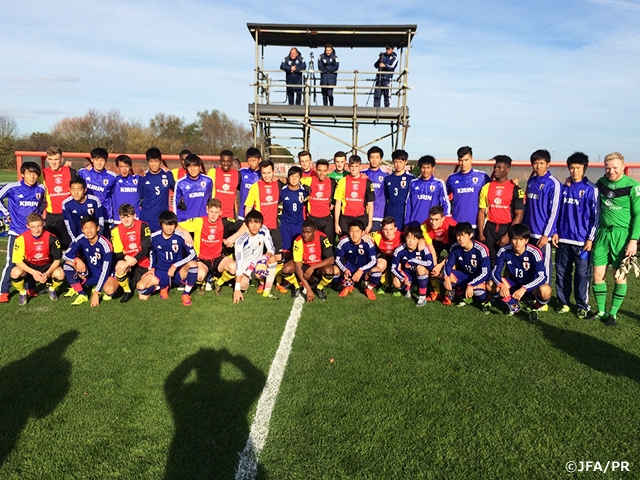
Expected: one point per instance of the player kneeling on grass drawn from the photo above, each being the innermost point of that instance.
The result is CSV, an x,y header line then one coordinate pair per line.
x,y
36,253
172,262
525,273
355,257
312,264
211,234
386,241
411,265
89,261
467,268
131,239
255,255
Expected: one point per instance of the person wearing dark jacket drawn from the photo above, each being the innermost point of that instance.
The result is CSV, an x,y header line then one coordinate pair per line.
x,y
294,65
328,65
386,62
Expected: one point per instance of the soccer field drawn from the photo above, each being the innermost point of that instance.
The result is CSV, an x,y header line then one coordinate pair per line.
x,y
370,390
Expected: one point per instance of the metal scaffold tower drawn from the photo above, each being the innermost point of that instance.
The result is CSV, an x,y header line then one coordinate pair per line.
x,y
276,124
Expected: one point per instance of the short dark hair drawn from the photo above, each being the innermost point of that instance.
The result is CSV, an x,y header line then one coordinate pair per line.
x,y
184,153
388,221
462,151
414,230
375,149
502,159
578,158
126,210
126,159
436,210
427,160
322,161
388,46
304,153
168,218
295,170
266,163
30,167
339,153
356,223
253,152
400,155
89,219
226,153
153,154
308,223
541,154
254,216
99,153
463,227
519,230
78,181
355,159
192,159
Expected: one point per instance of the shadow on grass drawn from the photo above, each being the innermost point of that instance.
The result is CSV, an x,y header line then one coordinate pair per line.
x,y
210,414
630,314
594,353
32,387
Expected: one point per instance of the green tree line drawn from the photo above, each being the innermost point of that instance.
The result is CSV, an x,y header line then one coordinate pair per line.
x,y
211,132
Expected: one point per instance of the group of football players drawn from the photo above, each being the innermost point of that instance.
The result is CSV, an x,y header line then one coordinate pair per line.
x,y
473,236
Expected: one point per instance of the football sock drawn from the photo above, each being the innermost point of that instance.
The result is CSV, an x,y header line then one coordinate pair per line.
x,y
271,275
436,285
480,294
192,277
147,291
510,301
124,283
326,280
374,279
19,286
293,280
423,282
619,292
224,278
600,292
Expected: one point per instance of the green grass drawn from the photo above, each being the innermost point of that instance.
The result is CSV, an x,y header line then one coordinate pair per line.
x,y
8,176
372,390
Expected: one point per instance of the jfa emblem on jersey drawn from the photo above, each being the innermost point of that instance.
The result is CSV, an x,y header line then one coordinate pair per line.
x,y
356,186
135,181
380,178
526,265
203,184
175,247
432,188
360,251
581,193
403,183
105,182
542,186
165,182
474,262
474,180
38,195
90,211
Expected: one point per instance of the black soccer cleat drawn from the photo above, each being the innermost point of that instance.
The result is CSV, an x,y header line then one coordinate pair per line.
x,y
126,296
610,321
321,295
296,292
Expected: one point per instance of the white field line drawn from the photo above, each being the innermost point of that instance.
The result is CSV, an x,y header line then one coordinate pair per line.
x,y
248,463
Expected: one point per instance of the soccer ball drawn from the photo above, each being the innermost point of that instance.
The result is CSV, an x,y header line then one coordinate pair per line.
x,y
260,269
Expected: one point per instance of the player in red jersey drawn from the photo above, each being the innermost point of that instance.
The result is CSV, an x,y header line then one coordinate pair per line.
x,y
36,253
312,264
56,179
131,240
386,240
225,184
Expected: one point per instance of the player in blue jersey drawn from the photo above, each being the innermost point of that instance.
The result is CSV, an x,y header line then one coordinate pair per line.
x,y
100,182
377,176
172,262
542,205
23,197
126,188
192,192
577,225
425,192
89,261
248,176
355,257
411,265
467,268
293,197
463,187
524,273
396,188
79,205
154,189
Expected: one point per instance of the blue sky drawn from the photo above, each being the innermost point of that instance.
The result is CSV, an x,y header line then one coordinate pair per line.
x,y
503,77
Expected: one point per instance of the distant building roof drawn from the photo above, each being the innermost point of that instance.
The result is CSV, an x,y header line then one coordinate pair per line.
x,y
350,36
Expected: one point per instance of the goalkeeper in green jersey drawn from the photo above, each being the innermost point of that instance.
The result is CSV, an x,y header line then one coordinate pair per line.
x,y
617,234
